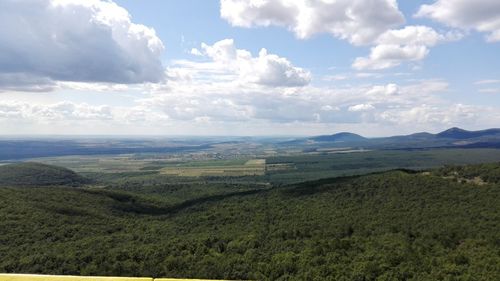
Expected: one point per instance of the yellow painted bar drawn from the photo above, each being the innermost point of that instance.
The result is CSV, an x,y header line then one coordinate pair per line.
x,y
31,277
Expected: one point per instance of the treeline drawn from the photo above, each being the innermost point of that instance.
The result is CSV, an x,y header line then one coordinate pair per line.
x,y
30,174
486,172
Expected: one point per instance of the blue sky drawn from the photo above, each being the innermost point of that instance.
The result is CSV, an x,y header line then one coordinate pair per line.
x,y
231,67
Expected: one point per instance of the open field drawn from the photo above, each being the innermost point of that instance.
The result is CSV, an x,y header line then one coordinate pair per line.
x,y
99,163
284,168
131,162
254,167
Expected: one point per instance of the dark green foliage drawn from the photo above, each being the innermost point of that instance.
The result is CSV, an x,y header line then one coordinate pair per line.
x,y
314,166
168,188
489,173
36,174
389,226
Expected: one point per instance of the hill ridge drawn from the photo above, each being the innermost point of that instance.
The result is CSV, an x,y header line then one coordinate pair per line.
x,y
38,174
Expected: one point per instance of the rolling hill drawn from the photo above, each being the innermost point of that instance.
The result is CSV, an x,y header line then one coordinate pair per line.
x,y
36,174
340,137
397,225
457,133
454,137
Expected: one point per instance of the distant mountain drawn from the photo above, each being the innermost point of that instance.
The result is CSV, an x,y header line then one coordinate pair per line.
x,y
457,133
36,174
423,136
340,137
454,137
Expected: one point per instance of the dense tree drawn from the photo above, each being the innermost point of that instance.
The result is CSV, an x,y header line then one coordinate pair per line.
x,y
388,226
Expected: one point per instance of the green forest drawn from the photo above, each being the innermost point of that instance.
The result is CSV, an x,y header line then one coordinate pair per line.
x,y
439,224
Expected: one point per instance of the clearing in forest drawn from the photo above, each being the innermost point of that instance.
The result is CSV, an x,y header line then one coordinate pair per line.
x,y
254,167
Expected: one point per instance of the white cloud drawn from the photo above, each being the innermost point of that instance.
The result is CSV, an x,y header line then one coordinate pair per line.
x,y
410,43
141,115
481,15
387,56
433,115
361,22
200,106
329,108
94,87
490,90
337,77
361,107
265,69
214,88
61,111
490,86
389,89
415,35
195,52
25,82
358,21
42,41
487,81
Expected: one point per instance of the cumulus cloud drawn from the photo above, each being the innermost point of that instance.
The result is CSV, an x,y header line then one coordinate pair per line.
x,y
433,115
329,108
358,21
25,82
265,69
361,107
42,41
361,22
52,112
387,56
141,115
480,15
389,89
201,106
410,43
224,98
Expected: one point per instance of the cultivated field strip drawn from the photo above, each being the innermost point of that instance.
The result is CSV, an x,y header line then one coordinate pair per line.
x,y
254,167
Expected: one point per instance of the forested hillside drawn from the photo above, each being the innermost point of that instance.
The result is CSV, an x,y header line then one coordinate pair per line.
x,y
36,174
396,225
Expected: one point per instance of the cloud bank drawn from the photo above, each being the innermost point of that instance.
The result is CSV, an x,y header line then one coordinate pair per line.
x,y
82,41
479,15
265,69
358,21
396,46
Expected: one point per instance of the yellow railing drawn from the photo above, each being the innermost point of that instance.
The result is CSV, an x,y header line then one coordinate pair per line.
x,y
33,277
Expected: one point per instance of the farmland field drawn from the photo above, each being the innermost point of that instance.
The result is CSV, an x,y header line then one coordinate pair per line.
x,y
288,167
254,167
207,214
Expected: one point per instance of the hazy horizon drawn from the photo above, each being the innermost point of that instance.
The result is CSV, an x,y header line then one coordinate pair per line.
x,y
152,136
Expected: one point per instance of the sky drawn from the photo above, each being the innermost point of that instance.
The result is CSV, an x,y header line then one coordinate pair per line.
x,y
249,68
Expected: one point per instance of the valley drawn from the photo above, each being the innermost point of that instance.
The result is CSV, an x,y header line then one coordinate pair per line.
x,y
257,211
